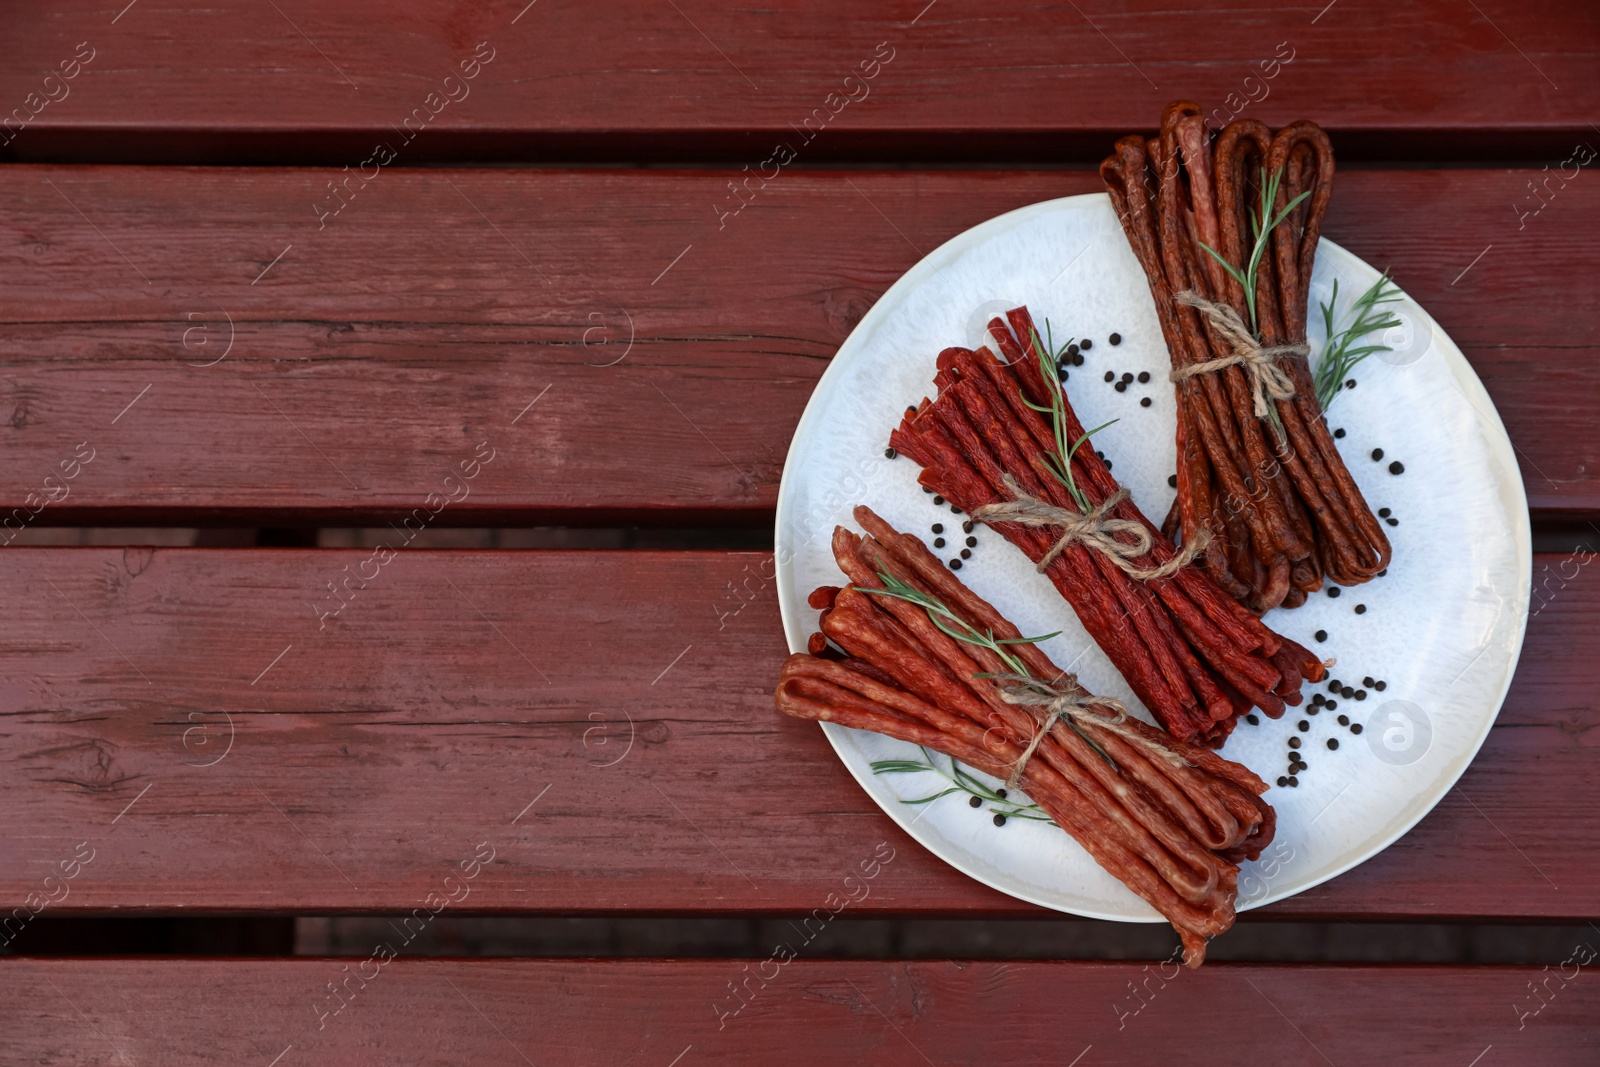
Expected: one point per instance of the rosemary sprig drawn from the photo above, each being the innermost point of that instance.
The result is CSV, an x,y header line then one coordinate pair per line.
x,y
938,613
1247,277
960,782
1060,461
1340,354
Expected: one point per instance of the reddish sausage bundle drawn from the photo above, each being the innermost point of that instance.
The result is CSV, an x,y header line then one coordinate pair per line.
x,y
1273,494
1171,820
1195,657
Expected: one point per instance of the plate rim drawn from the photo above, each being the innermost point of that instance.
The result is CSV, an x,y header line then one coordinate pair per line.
x,y
1466,379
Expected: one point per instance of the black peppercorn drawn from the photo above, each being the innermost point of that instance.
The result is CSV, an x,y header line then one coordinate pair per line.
x,y
1338,433
966,527
1377,454
1350,383
1293,781
938,500
966,553
1397,467
1332,704
955,564
1384,513
938,542
1361,609
1392,522
1334,685
925,489
1282,781
1383,573
1111,376
1121,387
1317,700
975,802
1346,691
889,453
1361,694
1062,374
999,820
1367,681
938,527
1144,401
1072,350
1321,635
1144,376
1380,685
1294,742
1344,720
1355,728
954,510
1333,743
1252,720
1115,338
1127,376
1172,480
972,542
1304,725
1334,590
1085,344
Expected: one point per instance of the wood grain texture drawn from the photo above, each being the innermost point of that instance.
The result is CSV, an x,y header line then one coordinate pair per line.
x,y
603,721
246,82
603,1012
670,350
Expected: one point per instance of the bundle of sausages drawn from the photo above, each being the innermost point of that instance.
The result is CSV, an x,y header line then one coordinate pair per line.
x,y
1171,820
1282,509
1195,657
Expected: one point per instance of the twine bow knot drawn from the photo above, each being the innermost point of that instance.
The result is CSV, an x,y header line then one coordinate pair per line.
x,y
1267,379
1095,528
1066,701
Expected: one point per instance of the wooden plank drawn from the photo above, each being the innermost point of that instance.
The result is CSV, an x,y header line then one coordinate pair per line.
x,y
682,1013
297,82
603,721
367,358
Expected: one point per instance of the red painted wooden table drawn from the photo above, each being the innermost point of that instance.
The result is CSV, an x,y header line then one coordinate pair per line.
x,y
622,329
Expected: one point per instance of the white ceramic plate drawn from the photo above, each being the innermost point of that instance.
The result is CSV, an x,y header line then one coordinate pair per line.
x,y
1443,629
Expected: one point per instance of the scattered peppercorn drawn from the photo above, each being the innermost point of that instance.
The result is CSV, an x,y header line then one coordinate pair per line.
x,y
1332,704
955,564
1334,685
975,802
938,500
999,820
1072,350
954,510
1384,513
1355,728
1392,522
1108,464
1383,573
1317,700
1321,635
925,489
1293,781
1172,480
1115,338
1380,685
1338,433
1346,692
972,542
1001,792
938,527
1333,743
1361,694
1111,376
1304,725
1085,344
1344,720
1121,387
1127,376
1282,781
1350,383
1368,680
889,453
1077,360
911,409
1397,467
1334,590
966,527
938,542
1144,376
1377,454
1063,375
966,553
1252,720
1294,742
1144,401
1361,609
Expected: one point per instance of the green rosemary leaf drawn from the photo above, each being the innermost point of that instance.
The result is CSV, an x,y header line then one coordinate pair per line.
x,y
936,796
1340,353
